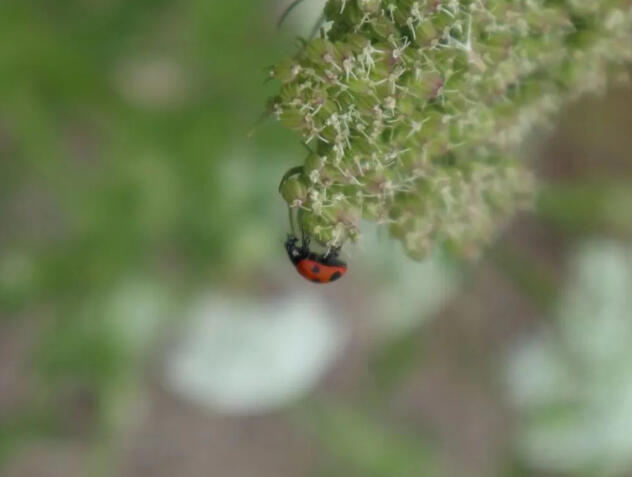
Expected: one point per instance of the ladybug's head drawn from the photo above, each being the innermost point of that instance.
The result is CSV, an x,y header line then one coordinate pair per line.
x,y
295,252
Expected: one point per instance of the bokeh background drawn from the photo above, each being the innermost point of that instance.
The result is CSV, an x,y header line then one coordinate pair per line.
x,y
151,324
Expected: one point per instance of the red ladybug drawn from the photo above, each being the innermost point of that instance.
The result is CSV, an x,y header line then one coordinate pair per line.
x,y
318,268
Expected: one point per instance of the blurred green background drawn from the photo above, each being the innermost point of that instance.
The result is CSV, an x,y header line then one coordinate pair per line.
x,y
150,323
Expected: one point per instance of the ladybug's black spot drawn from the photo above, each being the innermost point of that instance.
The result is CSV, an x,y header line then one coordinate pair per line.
x,y
315,280
316,269
335,276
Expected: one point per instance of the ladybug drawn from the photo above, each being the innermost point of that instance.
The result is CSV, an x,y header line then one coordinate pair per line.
x,y
318,268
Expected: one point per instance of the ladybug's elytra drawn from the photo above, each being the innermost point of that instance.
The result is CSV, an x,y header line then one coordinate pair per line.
x,y
318,268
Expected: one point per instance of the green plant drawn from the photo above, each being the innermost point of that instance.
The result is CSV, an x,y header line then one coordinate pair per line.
x,y
414,111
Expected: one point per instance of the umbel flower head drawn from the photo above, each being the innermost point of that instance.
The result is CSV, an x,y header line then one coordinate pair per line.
x,y
415,110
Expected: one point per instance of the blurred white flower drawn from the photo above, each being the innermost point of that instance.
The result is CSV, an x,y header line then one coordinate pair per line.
x,y
242,356
573,387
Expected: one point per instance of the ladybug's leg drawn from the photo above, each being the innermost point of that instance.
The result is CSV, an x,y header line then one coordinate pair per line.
x,y
306,242
290,243
305,239
293,250
333,252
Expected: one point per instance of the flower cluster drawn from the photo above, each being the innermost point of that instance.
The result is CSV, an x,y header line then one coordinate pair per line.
x,y
414,110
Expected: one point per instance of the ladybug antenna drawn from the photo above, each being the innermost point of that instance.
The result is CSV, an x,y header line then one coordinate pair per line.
x,y
292,172
287,11
290,8
290,213
304,238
